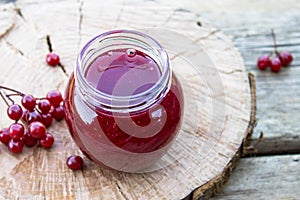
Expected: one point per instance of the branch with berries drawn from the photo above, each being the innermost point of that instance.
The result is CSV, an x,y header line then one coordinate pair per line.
x,y
30,118
276,59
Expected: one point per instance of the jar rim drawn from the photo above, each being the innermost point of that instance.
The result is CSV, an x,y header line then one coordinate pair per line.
x,y
158,86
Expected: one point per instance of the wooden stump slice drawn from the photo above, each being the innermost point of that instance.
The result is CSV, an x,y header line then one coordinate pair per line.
x,y
217,100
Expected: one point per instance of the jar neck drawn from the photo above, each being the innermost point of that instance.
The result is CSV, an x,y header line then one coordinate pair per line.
x,y
115,40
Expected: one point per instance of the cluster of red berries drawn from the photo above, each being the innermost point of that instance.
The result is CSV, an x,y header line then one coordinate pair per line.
x,y
36,114
275,63
283,59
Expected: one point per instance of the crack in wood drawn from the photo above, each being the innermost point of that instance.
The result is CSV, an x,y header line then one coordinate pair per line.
x,y
273,146
143,177
232,72
251,149
80,21
271,46
19,12
120,191
6,31
177,55
49,44
199,23
15,49
182,10
208,35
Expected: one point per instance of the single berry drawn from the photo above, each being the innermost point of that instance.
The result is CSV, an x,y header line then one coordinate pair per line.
x,y
24,115
4,136
47,119
47,142
52,59
74,162
15,146
44,106
37,130
28,140
263,62
29,101
285,57
275,64
14,112
54,97
33,116
16,131
58,113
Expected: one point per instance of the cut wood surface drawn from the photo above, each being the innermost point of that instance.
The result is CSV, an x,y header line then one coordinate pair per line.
x,y
210,140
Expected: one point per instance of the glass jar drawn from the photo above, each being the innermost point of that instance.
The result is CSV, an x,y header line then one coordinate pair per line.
x,y
123,104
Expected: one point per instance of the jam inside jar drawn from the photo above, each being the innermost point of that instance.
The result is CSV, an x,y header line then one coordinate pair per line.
x,y
123,104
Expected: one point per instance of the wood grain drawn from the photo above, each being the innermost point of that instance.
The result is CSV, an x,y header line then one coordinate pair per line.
x,y
249,25
276,177
7,21
207,154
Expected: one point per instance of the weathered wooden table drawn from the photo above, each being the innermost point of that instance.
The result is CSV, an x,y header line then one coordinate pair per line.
x,y
270,167
272,171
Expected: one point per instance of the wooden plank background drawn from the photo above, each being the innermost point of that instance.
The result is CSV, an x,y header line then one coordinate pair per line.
x,y
274,174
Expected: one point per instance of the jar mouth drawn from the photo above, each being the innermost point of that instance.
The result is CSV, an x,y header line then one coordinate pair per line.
x,y
96,97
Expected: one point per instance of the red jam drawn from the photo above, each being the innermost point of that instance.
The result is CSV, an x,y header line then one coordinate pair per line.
x,y
123,73
125,139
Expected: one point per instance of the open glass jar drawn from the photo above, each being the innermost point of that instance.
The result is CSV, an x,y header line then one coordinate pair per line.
x,y
124,105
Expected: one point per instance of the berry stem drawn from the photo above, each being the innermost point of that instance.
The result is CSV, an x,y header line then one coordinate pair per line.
x,y
274,41
8,96
4,99
12,90
13,94
40,98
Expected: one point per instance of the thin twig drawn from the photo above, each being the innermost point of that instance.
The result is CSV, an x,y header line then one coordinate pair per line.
x,y
40,98
2,96
274,41
8,96
14,94
12,90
